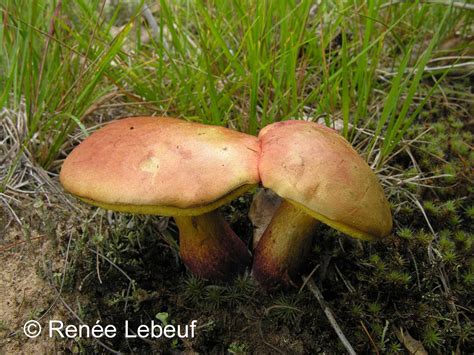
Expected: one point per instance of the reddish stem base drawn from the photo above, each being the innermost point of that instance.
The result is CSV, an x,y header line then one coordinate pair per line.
x,y
209,247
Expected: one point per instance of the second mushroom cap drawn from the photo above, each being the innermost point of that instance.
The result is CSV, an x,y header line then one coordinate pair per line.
x,y
315,168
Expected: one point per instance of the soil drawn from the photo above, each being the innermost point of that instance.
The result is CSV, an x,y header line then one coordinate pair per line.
x,y
24,294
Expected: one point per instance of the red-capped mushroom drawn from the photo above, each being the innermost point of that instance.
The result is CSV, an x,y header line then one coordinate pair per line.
x,y
171,167
321,178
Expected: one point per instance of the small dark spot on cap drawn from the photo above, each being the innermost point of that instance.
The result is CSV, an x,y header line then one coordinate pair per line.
x,y
132,127
225,148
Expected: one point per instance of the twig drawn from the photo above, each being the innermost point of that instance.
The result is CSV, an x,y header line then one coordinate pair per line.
x,y
308,278
451,57
468,65
151,21
97,264
10,246
121,271
370,338
329,314
416,269
63,278
348,285
458,4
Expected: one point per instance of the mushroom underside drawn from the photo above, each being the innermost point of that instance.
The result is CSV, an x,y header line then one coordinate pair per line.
x,y
286,243
208,246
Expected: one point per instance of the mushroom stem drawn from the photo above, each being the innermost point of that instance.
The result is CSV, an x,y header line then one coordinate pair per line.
x,y
283,247
209,247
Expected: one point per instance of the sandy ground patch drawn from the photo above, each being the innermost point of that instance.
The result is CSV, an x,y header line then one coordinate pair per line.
x,y
24,295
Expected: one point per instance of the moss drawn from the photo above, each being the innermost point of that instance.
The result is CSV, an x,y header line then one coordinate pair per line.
x,y
405,233
431,208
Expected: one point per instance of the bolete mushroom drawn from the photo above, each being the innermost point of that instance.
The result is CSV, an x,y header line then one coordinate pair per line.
x,y
171,167
321,178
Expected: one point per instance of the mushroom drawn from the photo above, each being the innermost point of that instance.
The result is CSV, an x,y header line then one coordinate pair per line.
x,y
321,178
171,167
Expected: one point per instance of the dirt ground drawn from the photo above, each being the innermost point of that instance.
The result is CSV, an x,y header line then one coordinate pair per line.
x,y
24,294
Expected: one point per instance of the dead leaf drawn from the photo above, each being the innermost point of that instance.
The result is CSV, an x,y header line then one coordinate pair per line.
x,y
412,345
265,203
